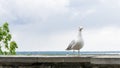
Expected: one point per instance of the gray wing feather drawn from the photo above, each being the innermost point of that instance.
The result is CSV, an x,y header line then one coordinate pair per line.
x,y
70,45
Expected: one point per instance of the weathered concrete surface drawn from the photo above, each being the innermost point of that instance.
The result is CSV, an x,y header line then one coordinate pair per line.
x,y
74,61
42,59
106,60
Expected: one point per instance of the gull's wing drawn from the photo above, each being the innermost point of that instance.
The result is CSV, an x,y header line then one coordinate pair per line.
x,y
70,45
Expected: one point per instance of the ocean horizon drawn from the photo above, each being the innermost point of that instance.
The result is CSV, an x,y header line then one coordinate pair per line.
x,y
66,52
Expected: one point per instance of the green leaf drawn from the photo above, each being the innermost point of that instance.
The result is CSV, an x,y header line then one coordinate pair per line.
x,y
4,33
6,53
6,46
9,37
13,45
5,27
1,34
1,52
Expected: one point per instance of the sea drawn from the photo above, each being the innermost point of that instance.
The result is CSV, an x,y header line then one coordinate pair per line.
x,y
68,52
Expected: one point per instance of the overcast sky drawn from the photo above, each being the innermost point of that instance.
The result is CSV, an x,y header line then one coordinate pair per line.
x,y
50,25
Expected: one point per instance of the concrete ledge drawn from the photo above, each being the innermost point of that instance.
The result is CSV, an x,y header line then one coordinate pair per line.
x,y
83,61
38,58
111,60
63,59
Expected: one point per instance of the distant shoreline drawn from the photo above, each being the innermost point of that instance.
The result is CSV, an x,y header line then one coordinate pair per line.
x,y
65,52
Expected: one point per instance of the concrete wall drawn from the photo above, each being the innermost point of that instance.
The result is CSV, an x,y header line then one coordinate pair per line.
x,y
37,61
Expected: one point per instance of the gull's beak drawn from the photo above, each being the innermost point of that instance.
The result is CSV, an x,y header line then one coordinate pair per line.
x,y
80,28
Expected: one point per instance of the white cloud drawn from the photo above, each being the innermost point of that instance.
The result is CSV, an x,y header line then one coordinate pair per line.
x,y
104,39
40,9
32,11
5,15
110,3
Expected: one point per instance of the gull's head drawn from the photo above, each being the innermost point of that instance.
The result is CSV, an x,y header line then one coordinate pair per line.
x,y
80,28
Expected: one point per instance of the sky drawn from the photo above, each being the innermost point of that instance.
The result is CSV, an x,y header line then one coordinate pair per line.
x,y
50,25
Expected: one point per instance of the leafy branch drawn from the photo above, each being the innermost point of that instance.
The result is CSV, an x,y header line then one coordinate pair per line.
x,y
7,47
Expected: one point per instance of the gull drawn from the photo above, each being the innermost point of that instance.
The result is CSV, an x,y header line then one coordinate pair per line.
x,y
77,43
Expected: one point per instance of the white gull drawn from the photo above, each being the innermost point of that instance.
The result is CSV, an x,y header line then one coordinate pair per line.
x,y
78,43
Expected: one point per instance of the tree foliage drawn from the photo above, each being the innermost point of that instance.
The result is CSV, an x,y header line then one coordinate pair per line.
x,y
7,46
